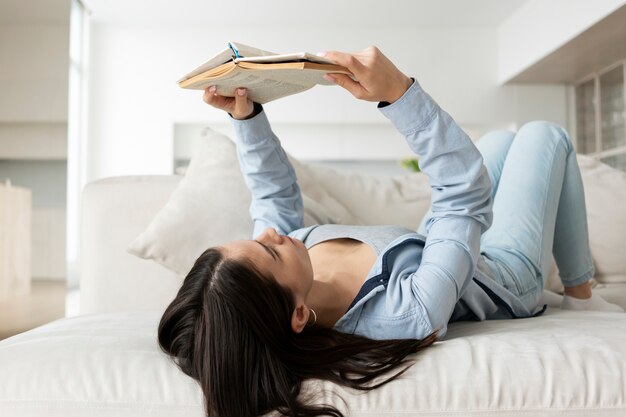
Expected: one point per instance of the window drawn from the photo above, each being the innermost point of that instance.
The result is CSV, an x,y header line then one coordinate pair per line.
x,y
601,117
76,125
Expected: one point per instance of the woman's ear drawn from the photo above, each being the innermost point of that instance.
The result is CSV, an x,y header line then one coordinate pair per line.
x,y
299,318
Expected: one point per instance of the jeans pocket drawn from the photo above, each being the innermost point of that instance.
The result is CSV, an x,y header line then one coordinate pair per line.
x,y
513,275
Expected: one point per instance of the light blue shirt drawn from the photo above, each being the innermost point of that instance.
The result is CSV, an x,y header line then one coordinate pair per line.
x,y
418,282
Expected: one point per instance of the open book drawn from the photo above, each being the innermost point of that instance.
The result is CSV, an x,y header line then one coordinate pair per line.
x,y
266,75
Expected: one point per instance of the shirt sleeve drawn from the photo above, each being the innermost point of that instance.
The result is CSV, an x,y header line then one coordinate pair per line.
x,y
461,205
270,177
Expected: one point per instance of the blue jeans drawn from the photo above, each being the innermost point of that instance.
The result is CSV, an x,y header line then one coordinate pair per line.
x,y
539,210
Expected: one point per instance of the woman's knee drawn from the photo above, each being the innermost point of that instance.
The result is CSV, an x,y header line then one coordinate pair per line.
x,y
496,138
545,131
495,142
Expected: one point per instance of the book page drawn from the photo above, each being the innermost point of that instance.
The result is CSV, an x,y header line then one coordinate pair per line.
x,y
226,55
310,67
298,56
216,60
264,86
249,51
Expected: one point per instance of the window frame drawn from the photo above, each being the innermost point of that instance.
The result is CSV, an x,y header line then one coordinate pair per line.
x,y
597,108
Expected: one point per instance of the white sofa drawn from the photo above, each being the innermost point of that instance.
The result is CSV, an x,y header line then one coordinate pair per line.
x,y
106,362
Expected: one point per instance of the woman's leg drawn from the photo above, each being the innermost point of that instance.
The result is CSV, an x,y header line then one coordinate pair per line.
x,y
494,147
521,270
539,204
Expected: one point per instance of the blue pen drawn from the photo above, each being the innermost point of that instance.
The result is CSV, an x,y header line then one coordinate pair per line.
x,y
232,47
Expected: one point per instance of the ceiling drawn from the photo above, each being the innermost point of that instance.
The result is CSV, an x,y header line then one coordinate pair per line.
x,y
319,12
285,12
595,49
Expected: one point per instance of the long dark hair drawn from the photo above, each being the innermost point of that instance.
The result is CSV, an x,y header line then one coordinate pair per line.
x,y
229,328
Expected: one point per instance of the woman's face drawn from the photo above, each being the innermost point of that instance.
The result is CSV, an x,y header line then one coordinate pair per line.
x,y
285,258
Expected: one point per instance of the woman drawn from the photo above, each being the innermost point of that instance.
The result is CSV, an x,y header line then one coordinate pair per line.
x,y
255,318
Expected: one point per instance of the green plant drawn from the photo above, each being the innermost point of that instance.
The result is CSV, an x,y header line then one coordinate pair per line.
x,y
411,164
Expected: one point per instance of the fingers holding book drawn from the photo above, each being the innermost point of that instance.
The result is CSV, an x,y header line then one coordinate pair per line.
x,y
375,78
240,107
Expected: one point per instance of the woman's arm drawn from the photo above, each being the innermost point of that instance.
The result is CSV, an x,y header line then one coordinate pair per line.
x,y
276,198
460,201
461,190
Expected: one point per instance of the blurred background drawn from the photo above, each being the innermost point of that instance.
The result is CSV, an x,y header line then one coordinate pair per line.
x,y
89,90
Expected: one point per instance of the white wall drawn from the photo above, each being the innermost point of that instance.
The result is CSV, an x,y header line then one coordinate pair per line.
x,y
33,129
135,102
33,72
539,27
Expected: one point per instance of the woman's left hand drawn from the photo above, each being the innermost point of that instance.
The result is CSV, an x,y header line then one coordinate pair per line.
x,y
239,107
376,78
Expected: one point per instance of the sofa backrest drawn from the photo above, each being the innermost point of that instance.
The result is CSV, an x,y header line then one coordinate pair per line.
x,y
114,211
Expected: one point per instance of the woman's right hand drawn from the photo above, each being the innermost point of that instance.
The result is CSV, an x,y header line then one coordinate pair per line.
x,y
239,107
376,78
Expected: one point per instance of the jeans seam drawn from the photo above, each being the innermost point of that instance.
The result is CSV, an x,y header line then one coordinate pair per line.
x,y
545,205
513,275
579,279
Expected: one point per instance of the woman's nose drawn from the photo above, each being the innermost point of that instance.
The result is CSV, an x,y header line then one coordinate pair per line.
x,y
271,235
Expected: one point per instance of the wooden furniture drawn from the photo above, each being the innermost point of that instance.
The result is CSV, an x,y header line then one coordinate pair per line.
x,y
15,240
45,303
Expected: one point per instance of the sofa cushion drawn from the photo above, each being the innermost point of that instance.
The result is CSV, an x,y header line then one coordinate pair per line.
x,y
563,363
114,211
210,207
374,199
605,197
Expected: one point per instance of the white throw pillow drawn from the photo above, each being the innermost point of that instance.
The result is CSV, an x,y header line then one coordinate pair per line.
x,y
211,204
377,200
605,197
210,207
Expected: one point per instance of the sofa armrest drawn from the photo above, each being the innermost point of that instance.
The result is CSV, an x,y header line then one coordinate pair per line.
x,y
114,211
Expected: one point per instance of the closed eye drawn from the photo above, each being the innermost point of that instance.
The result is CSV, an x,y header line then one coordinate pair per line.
x,y
269,250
